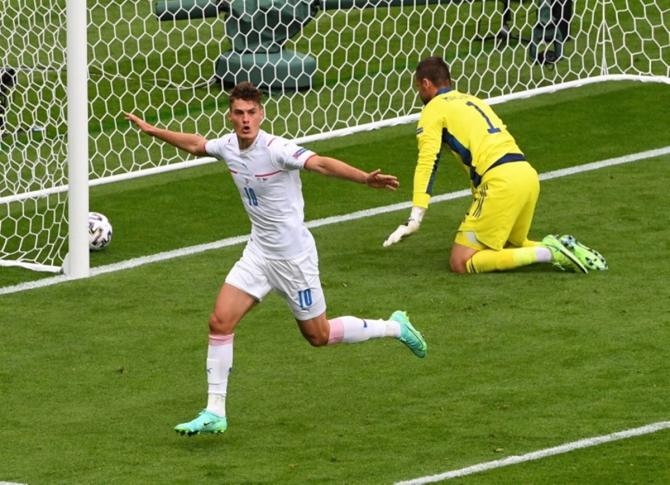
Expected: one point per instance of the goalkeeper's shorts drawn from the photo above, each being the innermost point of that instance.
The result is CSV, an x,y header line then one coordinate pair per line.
x,y
502,209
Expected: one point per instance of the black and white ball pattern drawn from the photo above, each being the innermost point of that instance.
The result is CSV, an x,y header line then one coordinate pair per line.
x,y
99,231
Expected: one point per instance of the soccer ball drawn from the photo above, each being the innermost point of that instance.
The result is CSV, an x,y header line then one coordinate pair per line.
x,y
99,231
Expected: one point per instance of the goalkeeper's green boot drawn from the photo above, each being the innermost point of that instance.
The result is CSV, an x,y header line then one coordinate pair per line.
x,y
409,335
561,256
592,259
205,422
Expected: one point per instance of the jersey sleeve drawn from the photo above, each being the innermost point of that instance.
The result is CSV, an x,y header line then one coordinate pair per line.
x,y
291,156
215,147
429,141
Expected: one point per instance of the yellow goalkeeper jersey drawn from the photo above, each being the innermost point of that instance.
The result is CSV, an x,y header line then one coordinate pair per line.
x,y
471,130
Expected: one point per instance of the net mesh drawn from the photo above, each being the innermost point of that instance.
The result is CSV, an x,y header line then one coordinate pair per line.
x,y
33,228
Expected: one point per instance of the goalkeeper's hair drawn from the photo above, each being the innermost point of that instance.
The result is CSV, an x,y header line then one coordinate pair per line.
x,y
247,92
435,70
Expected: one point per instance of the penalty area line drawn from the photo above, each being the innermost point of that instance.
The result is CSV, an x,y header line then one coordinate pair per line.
x,y
537,455
231,241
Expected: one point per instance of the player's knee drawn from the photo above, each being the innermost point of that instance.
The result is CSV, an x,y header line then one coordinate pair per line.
x,y
219,324
317,339
458,265
315,330
215,323
316,335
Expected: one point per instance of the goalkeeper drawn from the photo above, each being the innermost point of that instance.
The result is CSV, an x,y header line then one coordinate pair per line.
x,y
494,233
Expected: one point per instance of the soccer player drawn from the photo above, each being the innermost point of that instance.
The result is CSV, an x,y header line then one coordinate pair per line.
x,y
494,233
281,254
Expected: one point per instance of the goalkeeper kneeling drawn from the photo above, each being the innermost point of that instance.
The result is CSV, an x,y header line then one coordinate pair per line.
x,y
505,187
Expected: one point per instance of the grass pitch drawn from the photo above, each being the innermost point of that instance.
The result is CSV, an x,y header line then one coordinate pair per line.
x,y
96,373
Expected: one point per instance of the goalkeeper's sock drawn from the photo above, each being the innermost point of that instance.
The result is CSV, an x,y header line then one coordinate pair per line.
x,y
489,260
530,243
219,365
353,329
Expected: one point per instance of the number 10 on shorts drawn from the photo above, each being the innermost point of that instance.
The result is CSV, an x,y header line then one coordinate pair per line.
x,y
305,298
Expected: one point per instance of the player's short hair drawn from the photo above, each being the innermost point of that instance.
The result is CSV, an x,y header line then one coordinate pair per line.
x,y
247,92
435,70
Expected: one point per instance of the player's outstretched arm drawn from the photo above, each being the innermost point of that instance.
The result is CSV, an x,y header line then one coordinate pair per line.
x,y
337,168
189,142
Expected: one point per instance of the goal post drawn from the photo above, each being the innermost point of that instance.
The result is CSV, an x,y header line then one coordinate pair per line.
x,y
69,69
77,262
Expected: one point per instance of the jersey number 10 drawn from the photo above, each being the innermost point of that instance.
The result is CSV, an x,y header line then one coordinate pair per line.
x,y
305,298
251,196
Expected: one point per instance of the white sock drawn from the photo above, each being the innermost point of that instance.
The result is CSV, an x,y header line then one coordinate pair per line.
x,y
219,365
543,254
353,329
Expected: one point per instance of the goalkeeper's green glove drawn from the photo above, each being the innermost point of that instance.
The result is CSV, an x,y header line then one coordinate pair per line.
x,y
410,227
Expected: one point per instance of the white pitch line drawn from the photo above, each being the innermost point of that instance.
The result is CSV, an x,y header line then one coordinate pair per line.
x,y
537,455
231,241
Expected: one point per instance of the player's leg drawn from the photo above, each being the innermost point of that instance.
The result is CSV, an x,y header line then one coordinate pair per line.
x,y
547,251
519,250
321,331
245,285
488,260
461,254
465,259
481,237
231,305
502,211
568,254
298,281
480,245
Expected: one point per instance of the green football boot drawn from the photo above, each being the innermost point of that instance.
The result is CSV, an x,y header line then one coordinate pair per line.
x,y
590,258
205,422
562,257
409,335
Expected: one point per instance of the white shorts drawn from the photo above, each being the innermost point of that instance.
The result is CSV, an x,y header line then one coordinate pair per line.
x,y
296,280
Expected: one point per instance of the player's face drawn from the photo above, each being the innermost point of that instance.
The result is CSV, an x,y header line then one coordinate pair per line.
x,y
246,117
425,88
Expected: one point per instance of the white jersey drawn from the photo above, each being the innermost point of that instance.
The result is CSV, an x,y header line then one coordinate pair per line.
x,y
268,178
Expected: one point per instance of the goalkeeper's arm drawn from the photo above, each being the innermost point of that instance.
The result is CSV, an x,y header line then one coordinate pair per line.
x,y
409,227
420,202
429,141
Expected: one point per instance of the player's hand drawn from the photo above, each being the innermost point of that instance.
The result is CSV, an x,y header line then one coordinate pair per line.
x,y
402,231
379,180
410,227
139,122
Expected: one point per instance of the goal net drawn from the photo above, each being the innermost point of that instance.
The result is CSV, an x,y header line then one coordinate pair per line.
x,y
330,66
